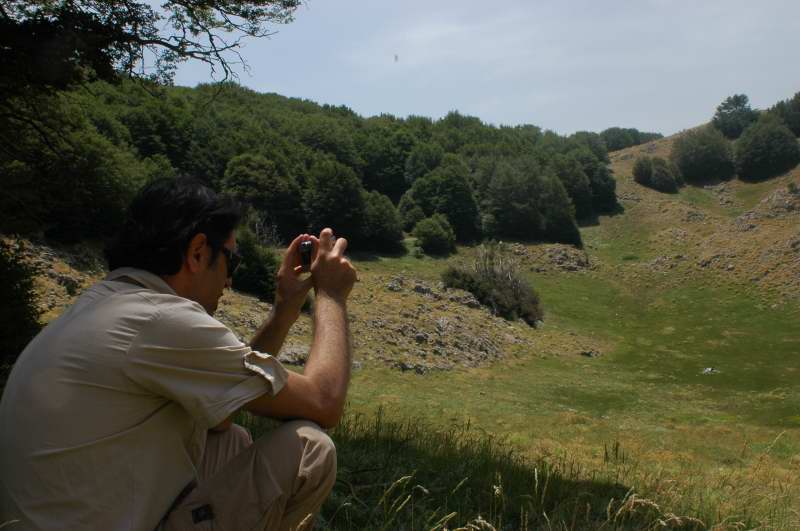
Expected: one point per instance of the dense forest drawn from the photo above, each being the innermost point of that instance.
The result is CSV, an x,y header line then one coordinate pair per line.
x,y
71,160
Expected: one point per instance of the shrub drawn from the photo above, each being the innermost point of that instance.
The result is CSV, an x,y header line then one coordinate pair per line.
x,y
19,315
435,235
703,155
765,149
643,170
657,173
256,274
734,115
496,280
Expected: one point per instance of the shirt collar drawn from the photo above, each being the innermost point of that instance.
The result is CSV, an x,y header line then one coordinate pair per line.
x,y
145,278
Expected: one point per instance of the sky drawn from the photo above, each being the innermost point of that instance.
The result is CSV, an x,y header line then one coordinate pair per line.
x,y
570,65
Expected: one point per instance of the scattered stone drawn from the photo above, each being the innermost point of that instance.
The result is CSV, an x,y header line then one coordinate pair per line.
x,y
294,355
395,284
423,289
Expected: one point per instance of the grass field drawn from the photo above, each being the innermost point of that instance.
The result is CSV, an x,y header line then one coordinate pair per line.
x,y
723,447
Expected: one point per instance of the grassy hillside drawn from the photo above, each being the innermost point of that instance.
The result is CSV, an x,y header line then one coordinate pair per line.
x,y
689,303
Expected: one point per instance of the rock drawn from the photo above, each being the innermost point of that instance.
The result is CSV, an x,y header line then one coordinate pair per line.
x,y
709,370
423,289
294,355
591,353
421,337
395,284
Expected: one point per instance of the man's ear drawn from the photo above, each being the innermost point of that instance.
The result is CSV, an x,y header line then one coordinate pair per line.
x,y
197,253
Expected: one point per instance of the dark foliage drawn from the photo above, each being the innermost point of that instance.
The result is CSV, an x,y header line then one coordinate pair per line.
x,y
423,158
435,236
569,171
410,212
276,197
657,173
766,148
497,281
333,198
617,138
789,113
382,229
734,115
19,314
703,155
446,190
48,45
256,274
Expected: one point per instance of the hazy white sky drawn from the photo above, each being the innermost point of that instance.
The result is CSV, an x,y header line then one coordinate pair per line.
x,y
656,65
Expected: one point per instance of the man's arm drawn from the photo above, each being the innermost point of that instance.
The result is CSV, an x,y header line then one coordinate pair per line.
x,y
319,393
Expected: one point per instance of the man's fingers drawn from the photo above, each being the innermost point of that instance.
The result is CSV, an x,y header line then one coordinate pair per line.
x,y
326,239
292,255
340,246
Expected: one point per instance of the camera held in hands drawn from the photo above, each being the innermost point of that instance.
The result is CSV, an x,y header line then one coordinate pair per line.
x,y
306,249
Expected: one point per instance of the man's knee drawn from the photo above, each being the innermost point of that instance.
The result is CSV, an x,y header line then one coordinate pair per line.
x,y
319,447
305,448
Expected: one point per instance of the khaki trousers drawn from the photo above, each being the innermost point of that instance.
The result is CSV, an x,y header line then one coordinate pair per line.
x,y
277,482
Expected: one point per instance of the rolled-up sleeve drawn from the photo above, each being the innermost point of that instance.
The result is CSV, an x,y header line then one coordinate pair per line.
x,y
189,357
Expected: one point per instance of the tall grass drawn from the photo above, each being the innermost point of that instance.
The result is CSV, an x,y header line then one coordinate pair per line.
x,y
403,474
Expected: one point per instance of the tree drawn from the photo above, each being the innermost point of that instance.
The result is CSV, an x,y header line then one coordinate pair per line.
x,y
570,171
256,274
446,190
255,180
703,154
789,113
333,198
765,149
382,229
424,157
435,236
617,138
734,115
54,44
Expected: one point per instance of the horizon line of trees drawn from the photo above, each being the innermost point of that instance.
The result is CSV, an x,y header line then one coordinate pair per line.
x,y
299,165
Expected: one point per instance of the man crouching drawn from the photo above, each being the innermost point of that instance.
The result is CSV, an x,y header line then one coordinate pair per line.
x,y
118,414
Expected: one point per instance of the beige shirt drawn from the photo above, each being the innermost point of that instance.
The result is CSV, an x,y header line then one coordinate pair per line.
x,y
106,412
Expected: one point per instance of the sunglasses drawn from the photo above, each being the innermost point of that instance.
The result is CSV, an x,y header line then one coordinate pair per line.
x,y
233,261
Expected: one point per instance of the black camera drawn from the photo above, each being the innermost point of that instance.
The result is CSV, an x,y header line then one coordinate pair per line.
x,y
306,249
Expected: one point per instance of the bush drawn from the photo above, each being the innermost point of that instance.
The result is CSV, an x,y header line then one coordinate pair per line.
x,y
435,235
734,115
19,315
703,155
657,173
767,148
496,280
256,274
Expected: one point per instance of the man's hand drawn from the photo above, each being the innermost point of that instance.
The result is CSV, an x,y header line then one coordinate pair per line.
x,y
290,288
332,274
319,393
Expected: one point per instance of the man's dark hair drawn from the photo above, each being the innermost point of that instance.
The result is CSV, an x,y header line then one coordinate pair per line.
x,y
163,218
